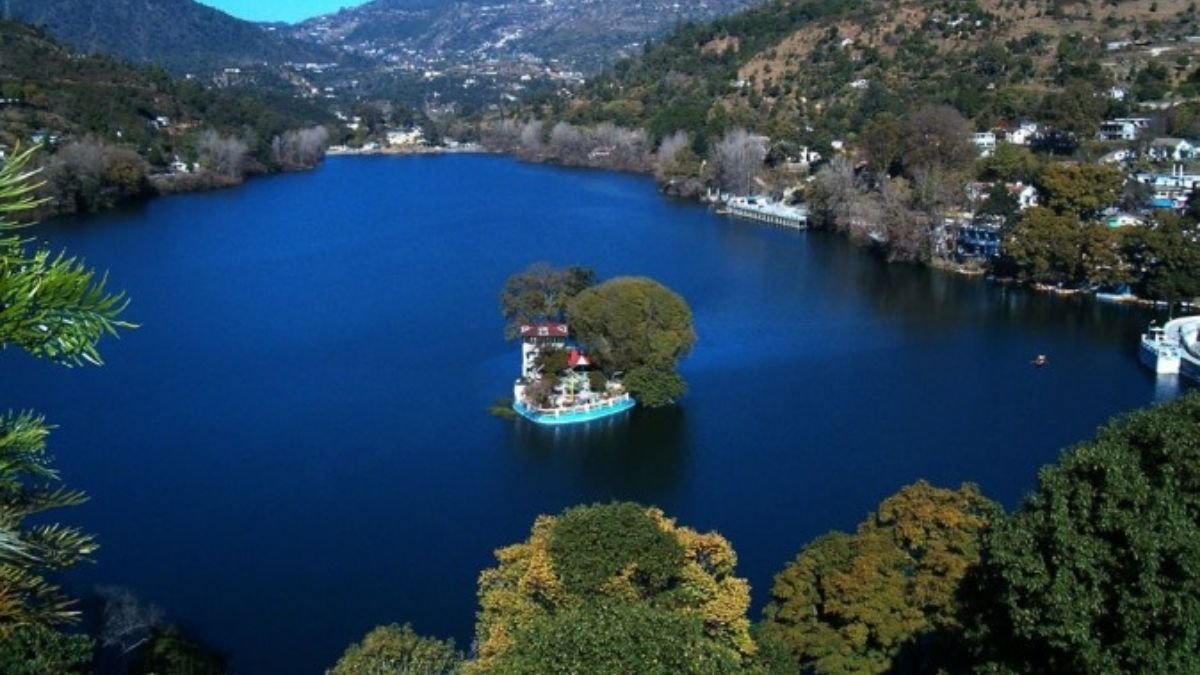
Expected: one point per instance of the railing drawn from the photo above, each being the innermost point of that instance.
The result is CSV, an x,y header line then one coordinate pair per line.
x,y
576,409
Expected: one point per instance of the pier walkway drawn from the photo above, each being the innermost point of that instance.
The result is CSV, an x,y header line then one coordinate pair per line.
x,y
1186,333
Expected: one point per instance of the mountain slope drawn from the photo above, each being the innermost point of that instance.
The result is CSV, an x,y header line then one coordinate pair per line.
x,y
812,70
583,33
181,35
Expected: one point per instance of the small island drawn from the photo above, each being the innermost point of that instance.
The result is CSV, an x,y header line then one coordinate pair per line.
x,y
589,350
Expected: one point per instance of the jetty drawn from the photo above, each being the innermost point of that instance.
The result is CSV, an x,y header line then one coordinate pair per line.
x,y
1173,349
767,210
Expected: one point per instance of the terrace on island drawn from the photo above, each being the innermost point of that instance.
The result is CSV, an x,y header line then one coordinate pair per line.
x,y
559,384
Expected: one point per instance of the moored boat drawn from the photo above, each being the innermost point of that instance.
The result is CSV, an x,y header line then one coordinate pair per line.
x,y
1160,352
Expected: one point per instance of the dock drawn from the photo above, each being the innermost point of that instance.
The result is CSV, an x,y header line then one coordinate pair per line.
x,y
770,211
1173,349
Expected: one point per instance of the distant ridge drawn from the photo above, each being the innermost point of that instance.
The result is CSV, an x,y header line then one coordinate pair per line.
x,y
181,35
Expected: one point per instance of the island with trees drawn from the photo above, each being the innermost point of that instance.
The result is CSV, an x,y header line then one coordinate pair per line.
x,y
591,350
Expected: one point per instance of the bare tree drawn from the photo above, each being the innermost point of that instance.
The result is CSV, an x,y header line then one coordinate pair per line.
x,y
737,159
125,623
301,148
669,151
502,134
531,137
618,147
938,137
833,188
91,174
568,143
223,155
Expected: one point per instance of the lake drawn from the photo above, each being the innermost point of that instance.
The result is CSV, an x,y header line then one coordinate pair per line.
x,y
294,448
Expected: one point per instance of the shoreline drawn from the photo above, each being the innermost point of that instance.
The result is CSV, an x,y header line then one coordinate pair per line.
x,y
408,150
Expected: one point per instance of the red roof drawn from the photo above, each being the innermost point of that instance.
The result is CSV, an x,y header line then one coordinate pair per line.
x,y
577,358
545,329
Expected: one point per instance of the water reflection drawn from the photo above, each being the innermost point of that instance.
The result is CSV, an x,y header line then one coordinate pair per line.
x,y
628,456
930,301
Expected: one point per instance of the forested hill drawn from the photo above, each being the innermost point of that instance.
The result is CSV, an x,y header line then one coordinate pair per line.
x,y
105,110
810,70
181,35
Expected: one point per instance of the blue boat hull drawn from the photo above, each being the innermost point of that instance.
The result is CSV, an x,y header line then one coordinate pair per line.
x,y
573,417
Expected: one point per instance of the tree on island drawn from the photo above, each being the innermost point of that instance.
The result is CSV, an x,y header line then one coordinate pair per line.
x,y
541,293
636,326
642,587
55,308
885,596
1099,570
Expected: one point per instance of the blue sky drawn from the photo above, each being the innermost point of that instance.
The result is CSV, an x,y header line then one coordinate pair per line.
x,y
279,10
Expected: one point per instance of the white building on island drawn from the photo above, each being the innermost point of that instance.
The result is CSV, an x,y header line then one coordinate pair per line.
x,y
536,337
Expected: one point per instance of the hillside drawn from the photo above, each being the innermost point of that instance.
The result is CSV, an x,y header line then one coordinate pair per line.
x,y
584,34
811,70
181,35
52,95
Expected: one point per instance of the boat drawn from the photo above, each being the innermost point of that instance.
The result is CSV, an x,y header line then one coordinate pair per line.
x,y
1160,352
1039,360
1120,294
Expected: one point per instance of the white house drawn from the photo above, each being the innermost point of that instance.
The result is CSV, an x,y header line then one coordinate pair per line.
x,y
1171,150
538,336
1118,156
414,136
985,142
1027,195
1023,134
1123,128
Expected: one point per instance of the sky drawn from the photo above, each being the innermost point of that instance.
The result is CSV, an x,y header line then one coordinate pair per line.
x,y
279,10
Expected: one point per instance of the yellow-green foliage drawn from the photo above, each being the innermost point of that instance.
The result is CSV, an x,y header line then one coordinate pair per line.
x,y
397,649
851,603
689,573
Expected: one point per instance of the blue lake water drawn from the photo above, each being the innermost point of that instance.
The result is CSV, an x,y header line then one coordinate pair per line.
x,y
294,448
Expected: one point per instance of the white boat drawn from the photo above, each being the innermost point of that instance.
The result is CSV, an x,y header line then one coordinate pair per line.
x,y
1161,353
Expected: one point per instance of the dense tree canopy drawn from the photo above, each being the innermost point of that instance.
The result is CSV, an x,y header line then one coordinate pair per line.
x,y
33,649
168,649
587,565
397,650
541,293
616,638
1079,190
854,603
637,326
1099,571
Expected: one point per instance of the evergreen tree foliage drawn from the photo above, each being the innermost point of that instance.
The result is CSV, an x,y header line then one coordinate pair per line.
x,y
857,603
1099,570
397,650
169,650
53,307
609,563
638,326
608,637
32,649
